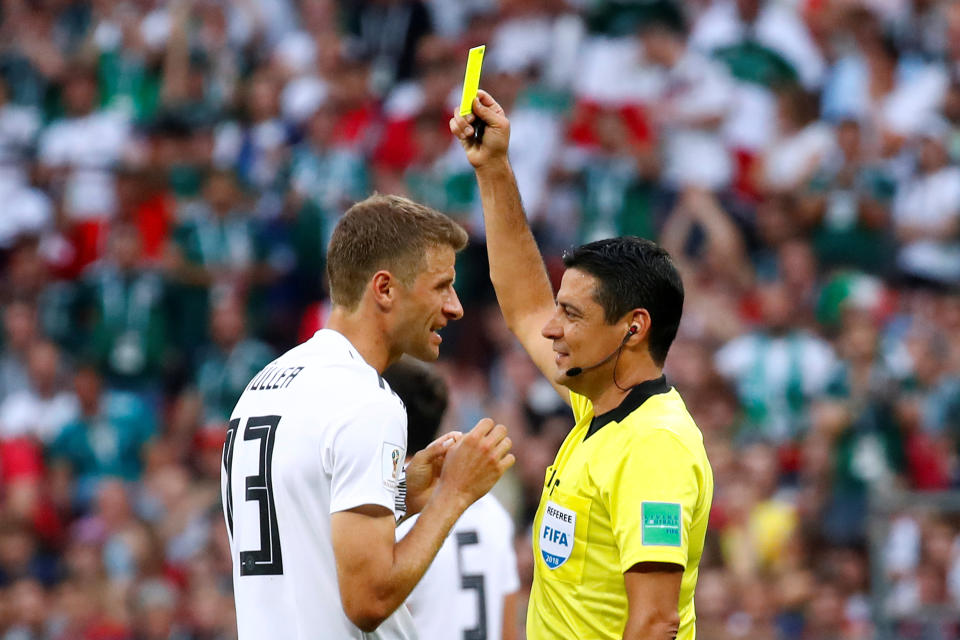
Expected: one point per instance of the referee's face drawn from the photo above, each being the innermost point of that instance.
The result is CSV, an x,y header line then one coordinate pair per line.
x,y
579,330
428,305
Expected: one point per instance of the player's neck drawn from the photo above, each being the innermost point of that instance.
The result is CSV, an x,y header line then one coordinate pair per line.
x,y
364,334
608,395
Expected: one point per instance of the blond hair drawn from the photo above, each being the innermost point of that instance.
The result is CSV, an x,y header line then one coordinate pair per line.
x,y
384,232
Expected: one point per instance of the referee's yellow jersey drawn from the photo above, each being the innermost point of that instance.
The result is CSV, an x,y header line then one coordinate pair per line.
x,y
631,485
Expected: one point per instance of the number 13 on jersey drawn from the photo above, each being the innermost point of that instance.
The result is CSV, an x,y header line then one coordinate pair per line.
x,y
267,560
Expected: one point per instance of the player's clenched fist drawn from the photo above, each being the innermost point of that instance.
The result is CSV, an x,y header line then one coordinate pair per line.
x,y
474,464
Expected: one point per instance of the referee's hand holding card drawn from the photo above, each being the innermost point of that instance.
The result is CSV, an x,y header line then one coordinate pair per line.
x,y
490,150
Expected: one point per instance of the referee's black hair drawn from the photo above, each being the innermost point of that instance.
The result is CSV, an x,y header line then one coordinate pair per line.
x,y
425,395
634,273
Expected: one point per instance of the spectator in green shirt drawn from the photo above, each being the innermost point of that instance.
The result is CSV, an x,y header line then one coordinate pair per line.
x,y
847,202
229,363
216,251
124,313
107,440
856,415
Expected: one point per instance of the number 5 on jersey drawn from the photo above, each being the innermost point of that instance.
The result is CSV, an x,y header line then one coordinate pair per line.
x,y
268,559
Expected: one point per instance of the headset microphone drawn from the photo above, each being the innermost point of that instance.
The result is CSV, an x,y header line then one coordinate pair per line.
x,y
575,371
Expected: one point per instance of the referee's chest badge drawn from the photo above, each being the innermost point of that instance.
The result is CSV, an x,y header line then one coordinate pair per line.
x,y
556,534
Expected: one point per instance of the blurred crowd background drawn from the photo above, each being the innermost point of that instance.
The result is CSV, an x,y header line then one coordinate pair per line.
x,y
170,173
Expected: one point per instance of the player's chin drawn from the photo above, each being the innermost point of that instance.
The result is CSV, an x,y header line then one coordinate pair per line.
x,y
428,352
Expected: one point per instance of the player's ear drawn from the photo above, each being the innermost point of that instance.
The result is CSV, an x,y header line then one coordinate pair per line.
x,y
383,288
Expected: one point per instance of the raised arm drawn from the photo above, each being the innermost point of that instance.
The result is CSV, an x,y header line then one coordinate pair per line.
x,y
516,267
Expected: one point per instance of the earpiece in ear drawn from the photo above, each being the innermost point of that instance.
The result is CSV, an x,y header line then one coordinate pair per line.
x,y
633,329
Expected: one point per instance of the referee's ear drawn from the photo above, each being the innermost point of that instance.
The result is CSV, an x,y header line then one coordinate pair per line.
x,y
639,327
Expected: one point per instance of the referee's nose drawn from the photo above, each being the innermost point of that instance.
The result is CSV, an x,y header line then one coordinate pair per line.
x,y
552,330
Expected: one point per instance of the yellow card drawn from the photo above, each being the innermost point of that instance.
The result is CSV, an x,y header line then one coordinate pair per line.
x,y
471,80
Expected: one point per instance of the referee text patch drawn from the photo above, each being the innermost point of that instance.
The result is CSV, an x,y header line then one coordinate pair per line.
x,y
557,534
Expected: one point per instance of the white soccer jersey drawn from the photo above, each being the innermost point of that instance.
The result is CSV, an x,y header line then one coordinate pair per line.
x,y
315,432
461,595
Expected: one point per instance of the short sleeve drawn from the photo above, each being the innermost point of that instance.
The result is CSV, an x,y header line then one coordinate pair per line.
x,y
651,496
367,455
580,405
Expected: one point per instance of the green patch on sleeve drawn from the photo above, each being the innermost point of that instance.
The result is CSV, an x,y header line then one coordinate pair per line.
x,y
661,523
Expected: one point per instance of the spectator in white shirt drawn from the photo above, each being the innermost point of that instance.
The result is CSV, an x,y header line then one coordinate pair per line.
x,y
776,370
775,25
926,212
801,143
27,211
80,151
691,107
41,410
18,131
893,94
255,149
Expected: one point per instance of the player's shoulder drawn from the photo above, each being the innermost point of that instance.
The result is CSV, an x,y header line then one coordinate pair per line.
x,y
325,374
330,358
325,347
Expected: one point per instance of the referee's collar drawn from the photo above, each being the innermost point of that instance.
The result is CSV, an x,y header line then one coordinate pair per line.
x,y
637,396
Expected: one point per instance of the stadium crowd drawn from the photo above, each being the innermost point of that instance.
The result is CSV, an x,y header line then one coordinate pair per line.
x,y
170,173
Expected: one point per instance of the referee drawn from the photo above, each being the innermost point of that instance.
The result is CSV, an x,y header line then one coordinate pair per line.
x,y
619,531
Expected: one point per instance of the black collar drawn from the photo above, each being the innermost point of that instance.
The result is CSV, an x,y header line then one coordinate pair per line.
x,y
637,396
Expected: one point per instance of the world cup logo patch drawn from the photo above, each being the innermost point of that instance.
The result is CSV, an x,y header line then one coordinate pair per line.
x,y
390,464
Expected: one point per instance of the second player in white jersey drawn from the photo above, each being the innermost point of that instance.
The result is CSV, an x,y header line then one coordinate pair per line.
x,y
317,431
462,594
469,591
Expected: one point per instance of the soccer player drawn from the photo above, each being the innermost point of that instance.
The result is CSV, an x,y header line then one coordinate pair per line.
x,y
619,531
470,589
313,473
